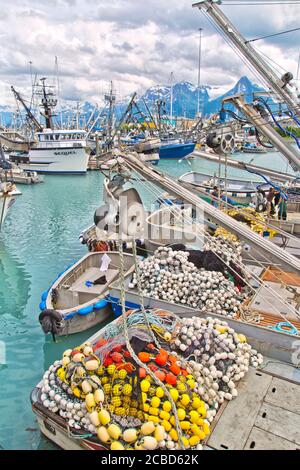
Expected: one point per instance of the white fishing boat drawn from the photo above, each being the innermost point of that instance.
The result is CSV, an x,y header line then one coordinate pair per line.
x,y
76,301
56,151
53,150
8,196
238,190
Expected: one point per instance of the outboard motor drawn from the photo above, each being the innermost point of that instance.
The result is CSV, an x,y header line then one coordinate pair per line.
x,y
51,322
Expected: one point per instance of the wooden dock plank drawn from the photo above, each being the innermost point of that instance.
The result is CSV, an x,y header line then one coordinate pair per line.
x,y
282,423
262,440
234,427
284,395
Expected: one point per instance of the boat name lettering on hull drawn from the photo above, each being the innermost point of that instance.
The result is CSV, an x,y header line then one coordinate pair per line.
x,y
70,152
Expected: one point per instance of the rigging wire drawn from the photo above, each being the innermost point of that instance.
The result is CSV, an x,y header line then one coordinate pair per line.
x,y
237,51
259,3
241,56
272,35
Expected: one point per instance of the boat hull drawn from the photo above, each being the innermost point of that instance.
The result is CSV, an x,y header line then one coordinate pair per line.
x,y
6,202
176,151
55,429
241,192
80,306
67,160
79,323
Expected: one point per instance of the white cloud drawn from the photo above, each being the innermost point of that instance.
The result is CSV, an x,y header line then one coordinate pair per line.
x,y
136,44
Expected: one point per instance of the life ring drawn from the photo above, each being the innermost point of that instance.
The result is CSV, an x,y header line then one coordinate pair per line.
x,y
51,321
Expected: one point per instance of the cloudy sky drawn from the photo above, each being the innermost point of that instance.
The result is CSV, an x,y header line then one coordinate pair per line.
x,y
136,44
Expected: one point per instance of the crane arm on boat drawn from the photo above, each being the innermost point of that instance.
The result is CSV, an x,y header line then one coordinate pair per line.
x,y
276,254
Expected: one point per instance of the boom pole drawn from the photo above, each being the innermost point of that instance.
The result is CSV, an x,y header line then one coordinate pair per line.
x,y
35,122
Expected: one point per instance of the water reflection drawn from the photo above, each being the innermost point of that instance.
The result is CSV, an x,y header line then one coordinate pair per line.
x,y
14,285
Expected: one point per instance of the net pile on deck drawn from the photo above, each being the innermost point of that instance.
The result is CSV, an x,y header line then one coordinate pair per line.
x,y
102,393
169,275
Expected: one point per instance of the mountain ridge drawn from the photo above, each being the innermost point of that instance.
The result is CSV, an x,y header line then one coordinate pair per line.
x,y
185,100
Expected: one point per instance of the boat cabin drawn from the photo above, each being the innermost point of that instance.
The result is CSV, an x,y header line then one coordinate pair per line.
x,y
59,135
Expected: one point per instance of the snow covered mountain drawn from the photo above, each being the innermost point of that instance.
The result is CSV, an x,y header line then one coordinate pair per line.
x,y
185,100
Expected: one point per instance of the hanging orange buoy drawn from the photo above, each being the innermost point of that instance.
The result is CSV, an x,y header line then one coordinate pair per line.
x,y
175,369
161,359
160,375
117,357
144,357
142,373
171,379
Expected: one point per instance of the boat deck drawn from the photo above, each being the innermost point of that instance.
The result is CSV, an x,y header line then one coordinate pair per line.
x,y
91,275
264,416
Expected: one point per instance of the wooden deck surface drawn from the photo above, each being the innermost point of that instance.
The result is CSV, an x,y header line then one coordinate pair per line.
x,y
265,415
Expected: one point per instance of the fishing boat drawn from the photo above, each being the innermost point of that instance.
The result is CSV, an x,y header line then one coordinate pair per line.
x,y
239,191
64,402
76,301
175,149
56,151
148,149
252,147
19,176
8,195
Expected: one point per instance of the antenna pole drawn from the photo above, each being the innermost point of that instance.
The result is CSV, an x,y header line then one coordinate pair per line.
x,y
171,104
199,68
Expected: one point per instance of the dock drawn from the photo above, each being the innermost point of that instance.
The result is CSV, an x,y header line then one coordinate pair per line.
x,y
264,416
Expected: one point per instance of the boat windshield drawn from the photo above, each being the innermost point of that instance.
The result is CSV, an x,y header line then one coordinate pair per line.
x,y
43,137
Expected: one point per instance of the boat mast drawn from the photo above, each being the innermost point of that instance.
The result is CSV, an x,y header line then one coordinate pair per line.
x,y
199,69
47,104
280,86
171,99
58,90
111,99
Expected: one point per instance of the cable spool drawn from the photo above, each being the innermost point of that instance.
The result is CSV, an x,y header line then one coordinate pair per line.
x,y
222,143
227,144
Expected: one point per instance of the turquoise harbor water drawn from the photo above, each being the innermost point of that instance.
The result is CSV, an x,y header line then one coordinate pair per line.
x,y
39,239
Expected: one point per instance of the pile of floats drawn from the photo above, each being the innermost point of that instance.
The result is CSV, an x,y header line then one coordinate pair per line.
x,y
177,276
148,381
257,222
